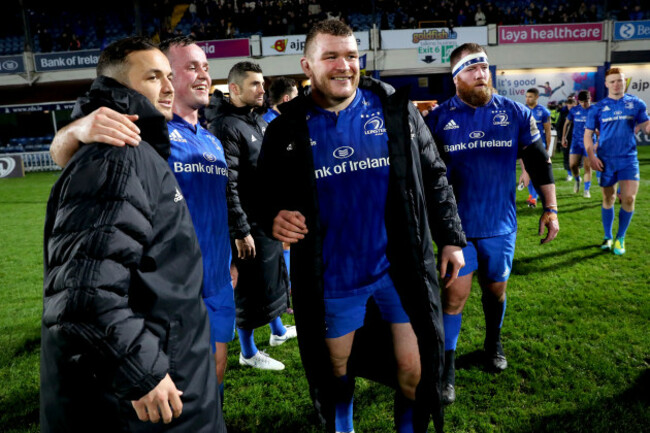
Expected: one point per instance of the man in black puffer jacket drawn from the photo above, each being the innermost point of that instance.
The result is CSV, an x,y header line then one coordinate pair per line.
x,y
261,291
125,334
351,177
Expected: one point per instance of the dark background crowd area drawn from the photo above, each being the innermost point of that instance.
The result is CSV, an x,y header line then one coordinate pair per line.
x,y
59,26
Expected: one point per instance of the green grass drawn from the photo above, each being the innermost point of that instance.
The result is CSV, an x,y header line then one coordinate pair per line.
x,y
577,333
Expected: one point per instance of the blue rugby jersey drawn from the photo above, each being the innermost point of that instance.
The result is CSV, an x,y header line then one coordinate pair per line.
x,y
616,119
578,115
541,115
198,162
270,115
480,149
352,168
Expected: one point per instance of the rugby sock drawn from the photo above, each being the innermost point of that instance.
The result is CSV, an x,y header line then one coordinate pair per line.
x,y
577,178
568,173
344,404
587,185
494,313
531,191
277,328
624,218
247,342
608,221
451,323
403,413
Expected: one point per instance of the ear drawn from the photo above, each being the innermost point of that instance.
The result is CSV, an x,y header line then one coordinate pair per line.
x,y
234,89
306,67
286,98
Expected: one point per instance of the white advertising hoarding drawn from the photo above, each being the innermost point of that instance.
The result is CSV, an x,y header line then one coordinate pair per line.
x,y
295,44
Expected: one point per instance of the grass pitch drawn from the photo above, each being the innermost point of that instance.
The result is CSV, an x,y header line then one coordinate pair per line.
x,y
576,333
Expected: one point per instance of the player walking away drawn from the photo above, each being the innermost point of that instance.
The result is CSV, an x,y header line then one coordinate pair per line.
x,y
480,136
564,112
617,118
261,292
360,198
577,118
543,119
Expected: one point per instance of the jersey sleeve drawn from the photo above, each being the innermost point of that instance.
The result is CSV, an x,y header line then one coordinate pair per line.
x,y
528,131
570,115
642,113
546,115
592,119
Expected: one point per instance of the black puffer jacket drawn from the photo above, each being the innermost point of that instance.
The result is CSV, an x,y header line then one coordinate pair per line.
x,y
122,286
263,284
420,204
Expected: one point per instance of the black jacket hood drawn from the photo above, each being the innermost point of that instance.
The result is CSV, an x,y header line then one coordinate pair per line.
x,y
107,92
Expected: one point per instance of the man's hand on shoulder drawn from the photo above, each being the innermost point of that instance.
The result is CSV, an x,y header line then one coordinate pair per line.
x,y
164,401
103,125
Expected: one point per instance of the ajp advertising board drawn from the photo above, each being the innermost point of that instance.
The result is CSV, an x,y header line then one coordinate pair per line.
x,y
630,30
295,44
542,33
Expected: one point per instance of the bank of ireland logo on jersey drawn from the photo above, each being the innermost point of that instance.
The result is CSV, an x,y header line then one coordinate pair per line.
x,y
475,135
209,157
374,125
343,152
176,136
500,119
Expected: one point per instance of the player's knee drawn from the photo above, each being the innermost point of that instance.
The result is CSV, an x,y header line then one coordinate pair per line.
x,y
409,370
628,200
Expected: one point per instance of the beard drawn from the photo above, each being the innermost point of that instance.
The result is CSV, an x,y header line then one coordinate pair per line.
x,y
474,96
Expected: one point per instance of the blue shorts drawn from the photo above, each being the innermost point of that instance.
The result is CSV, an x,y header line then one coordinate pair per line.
x,y
344,315
491,256
578,149
619,169
221,312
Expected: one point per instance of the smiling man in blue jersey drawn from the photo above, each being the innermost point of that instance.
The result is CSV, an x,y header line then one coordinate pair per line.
x,y
198,162
352,179
543,120
480,136
577,118
617,118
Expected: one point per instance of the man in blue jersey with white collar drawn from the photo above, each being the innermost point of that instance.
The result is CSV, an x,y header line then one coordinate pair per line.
x,y
577,118
480,136
617,118
352,179
543,120
198,162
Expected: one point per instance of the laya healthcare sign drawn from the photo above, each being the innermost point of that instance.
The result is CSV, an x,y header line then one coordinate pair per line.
x,y
553,85
630,30
541,33
295,44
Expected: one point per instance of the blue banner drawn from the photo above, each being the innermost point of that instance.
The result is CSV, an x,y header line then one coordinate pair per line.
x,y
629,30
66,60
12,64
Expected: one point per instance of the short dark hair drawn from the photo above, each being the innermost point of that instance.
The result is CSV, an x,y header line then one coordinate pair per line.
x,y
332,26
279,87
240,70
533,90
112,60
584,95
183,41
470,47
